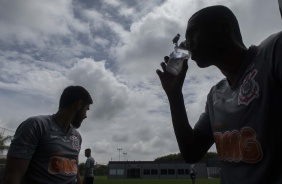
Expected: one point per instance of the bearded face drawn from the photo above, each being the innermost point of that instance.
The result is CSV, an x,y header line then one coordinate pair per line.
x,y
79,116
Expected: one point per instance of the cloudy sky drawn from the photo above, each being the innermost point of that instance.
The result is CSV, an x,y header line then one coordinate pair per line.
x,y
112,48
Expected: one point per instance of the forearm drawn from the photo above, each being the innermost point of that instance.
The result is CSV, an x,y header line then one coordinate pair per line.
x,y
15,169
11,179
192,144
182,128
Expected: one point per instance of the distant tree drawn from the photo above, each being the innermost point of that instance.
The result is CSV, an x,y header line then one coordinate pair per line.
x,y
178,156
3,141
81,169
3,161
169,157
101,170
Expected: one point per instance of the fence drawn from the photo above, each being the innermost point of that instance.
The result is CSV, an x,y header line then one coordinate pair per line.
x,y
6,132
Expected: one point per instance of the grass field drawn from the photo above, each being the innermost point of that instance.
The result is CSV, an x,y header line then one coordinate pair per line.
x,y
104,180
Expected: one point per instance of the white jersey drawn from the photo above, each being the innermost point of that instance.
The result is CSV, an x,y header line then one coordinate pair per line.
x,y
245,118
89,167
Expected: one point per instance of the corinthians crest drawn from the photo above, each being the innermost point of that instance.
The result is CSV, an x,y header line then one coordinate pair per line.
x,y
75,142
249,90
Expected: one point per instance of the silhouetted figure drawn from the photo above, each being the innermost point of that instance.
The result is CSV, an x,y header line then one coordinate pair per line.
x,y
243,110
45,148
193,173
89,168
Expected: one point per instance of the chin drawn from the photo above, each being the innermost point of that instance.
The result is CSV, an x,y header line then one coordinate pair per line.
x,y
202,64
76,126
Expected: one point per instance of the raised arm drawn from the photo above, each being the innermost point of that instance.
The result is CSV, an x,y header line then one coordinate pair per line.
x,y
192,143
15,169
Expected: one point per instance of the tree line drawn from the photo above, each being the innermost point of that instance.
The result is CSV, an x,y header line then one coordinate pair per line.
x,y
179,157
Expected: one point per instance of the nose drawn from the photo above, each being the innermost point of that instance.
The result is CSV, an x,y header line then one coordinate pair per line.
x,y
183,45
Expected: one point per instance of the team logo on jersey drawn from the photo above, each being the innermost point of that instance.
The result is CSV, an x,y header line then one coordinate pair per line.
x,y
249,90
75,142
62,165
238,146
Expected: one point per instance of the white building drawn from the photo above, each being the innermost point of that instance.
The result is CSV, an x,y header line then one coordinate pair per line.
x,y
154,170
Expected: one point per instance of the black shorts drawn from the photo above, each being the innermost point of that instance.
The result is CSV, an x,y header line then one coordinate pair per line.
x,y
193,176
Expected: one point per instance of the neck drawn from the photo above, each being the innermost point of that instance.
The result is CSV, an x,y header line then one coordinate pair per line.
x,y
232,62
63,120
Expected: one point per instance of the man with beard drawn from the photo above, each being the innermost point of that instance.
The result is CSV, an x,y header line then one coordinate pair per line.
x,y
45,148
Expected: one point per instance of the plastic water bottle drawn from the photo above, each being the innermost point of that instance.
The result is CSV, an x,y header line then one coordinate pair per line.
x,y
175,62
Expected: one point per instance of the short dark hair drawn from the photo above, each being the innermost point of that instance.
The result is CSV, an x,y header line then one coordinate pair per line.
x,y
213,14
72,94
88,149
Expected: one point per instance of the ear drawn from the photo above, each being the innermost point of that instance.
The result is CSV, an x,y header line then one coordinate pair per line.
x,y
226,26
222,27
222,33
77,105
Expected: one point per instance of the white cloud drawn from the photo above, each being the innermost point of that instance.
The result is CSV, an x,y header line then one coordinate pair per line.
x,y
109,95
47,45
33,22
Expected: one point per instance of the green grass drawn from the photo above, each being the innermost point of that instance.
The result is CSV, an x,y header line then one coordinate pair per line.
x,y
104,180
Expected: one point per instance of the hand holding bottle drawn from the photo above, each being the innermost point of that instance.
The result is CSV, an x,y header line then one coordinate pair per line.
x,y
175,62
176,57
